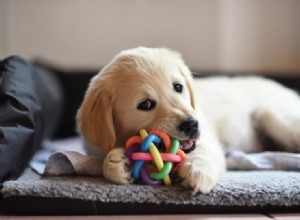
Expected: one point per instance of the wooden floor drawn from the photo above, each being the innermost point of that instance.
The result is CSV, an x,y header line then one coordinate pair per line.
x,y
258,216
294,216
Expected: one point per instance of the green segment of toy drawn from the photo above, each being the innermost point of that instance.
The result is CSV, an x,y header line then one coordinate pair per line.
x,y
167,165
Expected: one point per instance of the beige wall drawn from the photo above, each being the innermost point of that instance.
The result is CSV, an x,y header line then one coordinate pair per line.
x,y
3,29
228,35
261,35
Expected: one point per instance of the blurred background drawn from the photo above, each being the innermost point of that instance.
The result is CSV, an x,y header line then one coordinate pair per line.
x,y
239,36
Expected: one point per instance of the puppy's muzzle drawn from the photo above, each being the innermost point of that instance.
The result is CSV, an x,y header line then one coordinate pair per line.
x,y
190,128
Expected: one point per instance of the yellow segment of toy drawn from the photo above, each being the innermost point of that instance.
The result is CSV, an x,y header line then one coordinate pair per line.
x,y
156,156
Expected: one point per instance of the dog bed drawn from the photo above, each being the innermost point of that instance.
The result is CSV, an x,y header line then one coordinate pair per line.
x,y
237,191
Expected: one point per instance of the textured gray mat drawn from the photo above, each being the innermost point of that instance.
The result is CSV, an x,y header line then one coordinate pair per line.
x,y
250,188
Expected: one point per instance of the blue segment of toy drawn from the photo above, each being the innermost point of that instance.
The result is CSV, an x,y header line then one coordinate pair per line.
x,y
152,138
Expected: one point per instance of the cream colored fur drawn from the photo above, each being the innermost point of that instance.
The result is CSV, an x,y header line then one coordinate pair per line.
x,y
230,112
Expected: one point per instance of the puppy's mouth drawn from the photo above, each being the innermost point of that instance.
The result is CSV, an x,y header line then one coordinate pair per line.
x,y
187,145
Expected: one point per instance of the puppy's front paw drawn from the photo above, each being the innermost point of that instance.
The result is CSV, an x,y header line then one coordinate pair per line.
x,y
198,175
116,167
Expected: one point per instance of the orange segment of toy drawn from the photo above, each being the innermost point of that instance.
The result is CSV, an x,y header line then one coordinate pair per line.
x,y
181,154
133,140
166,139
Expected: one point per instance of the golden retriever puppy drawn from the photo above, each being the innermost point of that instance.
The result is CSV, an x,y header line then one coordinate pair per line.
x,y
153,88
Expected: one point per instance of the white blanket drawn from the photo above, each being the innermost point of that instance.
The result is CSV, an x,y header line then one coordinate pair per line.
x,y
66,157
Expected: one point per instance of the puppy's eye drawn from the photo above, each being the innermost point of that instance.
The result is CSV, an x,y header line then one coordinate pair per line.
x,y
178,87
146,105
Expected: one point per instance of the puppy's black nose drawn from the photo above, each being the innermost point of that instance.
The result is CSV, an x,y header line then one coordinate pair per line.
x,y
189,127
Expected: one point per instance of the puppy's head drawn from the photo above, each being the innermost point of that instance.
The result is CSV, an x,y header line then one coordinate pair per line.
x,y
140,88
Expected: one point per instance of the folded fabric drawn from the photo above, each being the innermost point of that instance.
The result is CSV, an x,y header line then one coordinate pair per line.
x,y
42,156
72,163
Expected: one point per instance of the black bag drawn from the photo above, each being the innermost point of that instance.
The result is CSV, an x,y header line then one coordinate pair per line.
x,y
30,108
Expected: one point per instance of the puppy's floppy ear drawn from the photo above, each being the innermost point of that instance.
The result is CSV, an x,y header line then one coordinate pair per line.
x,y
187,75
95,118
191,90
